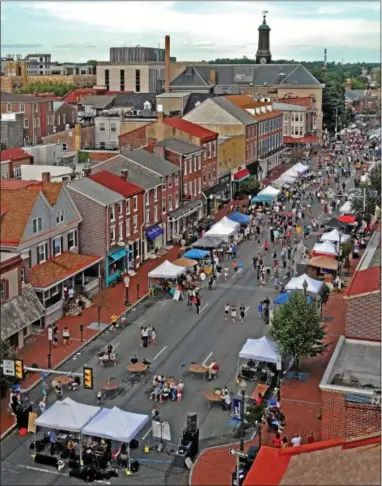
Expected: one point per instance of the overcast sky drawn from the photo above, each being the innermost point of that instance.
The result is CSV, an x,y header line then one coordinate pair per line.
x,y
79,31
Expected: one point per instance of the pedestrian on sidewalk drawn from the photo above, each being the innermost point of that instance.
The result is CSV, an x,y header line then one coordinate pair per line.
x,y
55,335
198,303
226,270
242,312
66,336
141,336
42,404
114,320
202,277
149,334
226,311
233,313
145,337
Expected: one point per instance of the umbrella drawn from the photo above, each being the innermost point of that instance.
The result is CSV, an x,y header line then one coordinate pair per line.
x,y
347,218
185,262
196,254
285,296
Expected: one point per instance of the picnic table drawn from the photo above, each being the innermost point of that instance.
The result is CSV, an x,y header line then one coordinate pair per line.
x,y
259,388
198,369
212,397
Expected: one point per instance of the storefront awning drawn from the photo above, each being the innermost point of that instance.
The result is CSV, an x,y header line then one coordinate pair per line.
x,y
118,254
153,232
241,175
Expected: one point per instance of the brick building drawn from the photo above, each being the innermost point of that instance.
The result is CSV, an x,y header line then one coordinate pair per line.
x,y
64,116
351,385
11,162
38,115
73,140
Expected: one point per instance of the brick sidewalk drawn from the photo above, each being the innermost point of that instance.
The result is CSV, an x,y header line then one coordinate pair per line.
x,y
37,346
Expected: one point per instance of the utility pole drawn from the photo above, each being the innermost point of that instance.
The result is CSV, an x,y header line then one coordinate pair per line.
x,y
336,126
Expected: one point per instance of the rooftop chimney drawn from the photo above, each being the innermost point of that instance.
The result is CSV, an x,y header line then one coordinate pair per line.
x,y
45,177
151,142
167,64
212,76
124,174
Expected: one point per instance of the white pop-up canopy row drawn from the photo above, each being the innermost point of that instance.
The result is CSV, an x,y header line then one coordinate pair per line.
x,y
335,236
269,191
224,228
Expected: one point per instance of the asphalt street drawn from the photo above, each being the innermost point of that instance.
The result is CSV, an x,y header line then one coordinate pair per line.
x,y
183,337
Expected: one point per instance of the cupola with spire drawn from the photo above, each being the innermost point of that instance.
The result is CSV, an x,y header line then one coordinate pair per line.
x,y
263,54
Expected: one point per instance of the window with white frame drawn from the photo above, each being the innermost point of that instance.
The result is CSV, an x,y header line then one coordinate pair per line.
x,y
3,289
9,107
185,167
185,189
128,229
120,231
170,202
113,127
112,235
22,107
195,164
64,147
214,146
102,127
163,184
135,223
37,225
169,181
17,172
155,214
64,119
176,200
163,205
205,153
199,185
199,162
147,216
177,179
72,240
60,216
42,253
195,187
155,194
120,209
112,213
128,206
38,122
26,123
57,246
58,119
135,203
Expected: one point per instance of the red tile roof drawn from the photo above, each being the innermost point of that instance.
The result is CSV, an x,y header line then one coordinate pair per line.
x,y
116,183
60,268
268,469
15,184
75,95
306,139
364,282
191,128
307,102
13,154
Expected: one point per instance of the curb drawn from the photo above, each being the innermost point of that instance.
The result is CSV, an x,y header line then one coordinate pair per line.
x,y
67,358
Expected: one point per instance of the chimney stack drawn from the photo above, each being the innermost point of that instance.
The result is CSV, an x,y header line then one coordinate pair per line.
x,y
212,76
151,142
45,177
167,73
124,174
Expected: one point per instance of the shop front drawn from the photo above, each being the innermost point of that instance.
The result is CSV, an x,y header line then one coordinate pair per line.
x,y
133,255
221,193
182,222
154,239
116,265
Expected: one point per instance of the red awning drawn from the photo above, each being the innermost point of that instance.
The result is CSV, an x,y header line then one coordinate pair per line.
x,y
347,218
242,174
306,139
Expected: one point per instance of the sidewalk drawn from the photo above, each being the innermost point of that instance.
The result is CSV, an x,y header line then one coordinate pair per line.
x,y
37,346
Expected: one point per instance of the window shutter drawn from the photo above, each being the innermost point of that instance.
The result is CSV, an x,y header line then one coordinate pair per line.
x,y
46,251
38,255
68,240
75,238
6,289
62,244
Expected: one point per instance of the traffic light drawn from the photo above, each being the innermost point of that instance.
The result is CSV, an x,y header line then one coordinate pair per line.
x,y
19,369
88,378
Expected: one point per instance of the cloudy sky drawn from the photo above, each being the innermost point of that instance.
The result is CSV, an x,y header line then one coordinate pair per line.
x,y
79,31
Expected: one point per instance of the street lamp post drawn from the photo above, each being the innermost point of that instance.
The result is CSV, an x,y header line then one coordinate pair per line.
x,y
138,287
81,331
50,338
305,287
126,281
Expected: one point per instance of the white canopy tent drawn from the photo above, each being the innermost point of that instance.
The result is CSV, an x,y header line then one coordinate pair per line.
x,y
269,191
263,349
292,172
116,424
67,415
301,167
325,248
297,283
167,270
228,222
346,208
223,229
335,236
285,179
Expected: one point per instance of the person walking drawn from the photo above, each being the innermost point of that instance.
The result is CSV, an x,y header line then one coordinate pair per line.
x,y
145,337
153,337
198,303
66,336
260,310
233,313
202,277
242,312
226,311
226,271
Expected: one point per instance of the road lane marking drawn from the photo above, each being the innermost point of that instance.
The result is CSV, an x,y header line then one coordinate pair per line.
x,y
140,323
208,357
56,473
204,307
160,352
147,433
247,309
234,275
116,345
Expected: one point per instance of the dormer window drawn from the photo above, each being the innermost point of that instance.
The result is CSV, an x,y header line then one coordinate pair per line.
x,y
60,216
147,105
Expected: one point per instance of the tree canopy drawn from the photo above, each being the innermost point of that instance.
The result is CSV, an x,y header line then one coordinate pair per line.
x,y
297,330
58,89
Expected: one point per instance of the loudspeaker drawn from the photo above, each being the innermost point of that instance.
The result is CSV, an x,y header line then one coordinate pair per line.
x,y
46,460
193,439
179,460
134,444
192,422
134,466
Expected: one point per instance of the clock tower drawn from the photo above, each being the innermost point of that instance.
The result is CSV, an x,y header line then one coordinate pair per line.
x,y
263,54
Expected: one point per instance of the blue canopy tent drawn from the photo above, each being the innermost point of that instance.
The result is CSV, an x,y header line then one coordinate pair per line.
x,y
262,198
196,254
285,296
238,217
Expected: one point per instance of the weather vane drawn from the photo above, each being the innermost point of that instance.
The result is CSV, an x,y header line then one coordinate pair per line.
x,y
264,12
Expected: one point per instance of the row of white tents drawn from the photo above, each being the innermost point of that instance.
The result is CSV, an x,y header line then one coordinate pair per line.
x,y
224,228
292,174
106,423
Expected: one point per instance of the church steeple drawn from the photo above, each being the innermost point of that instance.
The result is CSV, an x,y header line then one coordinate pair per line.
x,y
263,54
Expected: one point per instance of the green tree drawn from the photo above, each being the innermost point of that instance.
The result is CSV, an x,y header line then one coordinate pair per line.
x,y
58,89
92,62
346,250
378,77
6,352
358,83
297,330
83,157
375,178
250,186
365,206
